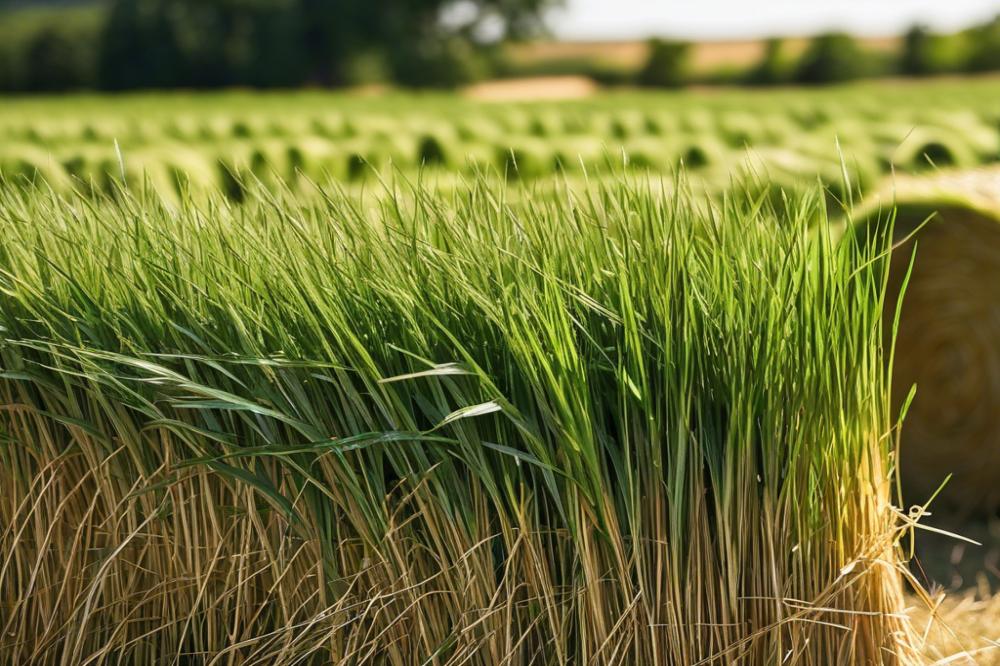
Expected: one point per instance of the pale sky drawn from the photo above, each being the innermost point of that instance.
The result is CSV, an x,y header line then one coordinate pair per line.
x,y
720,19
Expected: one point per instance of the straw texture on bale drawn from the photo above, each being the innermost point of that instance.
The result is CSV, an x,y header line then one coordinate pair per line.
x,y
949,347
948,343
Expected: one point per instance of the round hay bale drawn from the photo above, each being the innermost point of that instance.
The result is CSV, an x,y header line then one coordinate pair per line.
x,y
242,129
575,121
786,165
642,154
30,165
234,172
981,137
431,151
357,166
948,342
184,128
739,129
527,159
580,153
330,125
925,149
627,124
659,123
93,170
698,121
188,171
311,156
546,123
478,128
696,156
362,160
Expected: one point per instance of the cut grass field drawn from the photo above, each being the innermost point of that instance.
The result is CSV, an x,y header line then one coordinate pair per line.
x,y
212,142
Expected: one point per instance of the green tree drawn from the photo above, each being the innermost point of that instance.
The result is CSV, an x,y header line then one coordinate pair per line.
x,y
771,69
56,59
918,57
831,58
984,47
666,65
138,47
205,43
8,69
202,43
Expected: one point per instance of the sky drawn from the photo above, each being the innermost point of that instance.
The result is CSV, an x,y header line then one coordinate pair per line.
x,y
721,19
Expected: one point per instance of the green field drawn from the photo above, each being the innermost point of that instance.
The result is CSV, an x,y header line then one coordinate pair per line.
x,y
424,380
222,141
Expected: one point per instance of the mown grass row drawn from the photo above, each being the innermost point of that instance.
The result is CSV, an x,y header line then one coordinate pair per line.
x,y
207,140
607,427
176,170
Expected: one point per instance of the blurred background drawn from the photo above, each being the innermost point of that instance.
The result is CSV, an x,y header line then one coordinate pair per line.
x,y
64,45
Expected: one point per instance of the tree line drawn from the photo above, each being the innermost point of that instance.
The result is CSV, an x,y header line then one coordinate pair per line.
x,y
837,57
136,44
129,44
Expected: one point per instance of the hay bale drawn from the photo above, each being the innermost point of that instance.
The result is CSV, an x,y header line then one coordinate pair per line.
x,y
312,157
642,154
478,128
581,153
330,125
361,159
188,171
31,165
923,149
93,170
948,343
526,159
547,123
433,150
740,129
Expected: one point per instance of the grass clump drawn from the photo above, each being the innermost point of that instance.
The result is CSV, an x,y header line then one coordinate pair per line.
x,y
612,427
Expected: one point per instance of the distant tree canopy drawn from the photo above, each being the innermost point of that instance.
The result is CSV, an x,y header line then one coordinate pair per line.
x,y
917,58
831,58
984,51
210,43
771,70
666,65
57,45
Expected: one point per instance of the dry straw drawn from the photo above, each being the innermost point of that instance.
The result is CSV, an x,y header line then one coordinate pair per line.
x,y
948,344
616,428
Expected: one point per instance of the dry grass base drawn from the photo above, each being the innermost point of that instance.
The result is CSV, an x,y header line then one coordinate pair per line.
x,y
963,630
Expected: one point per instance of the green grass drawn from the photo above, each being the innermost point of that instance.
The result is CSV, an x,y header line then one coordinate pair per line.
x,y
611,426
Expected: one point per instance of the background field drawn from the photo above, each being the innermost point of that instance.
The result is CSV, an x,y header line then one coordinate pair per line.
x,y
212,142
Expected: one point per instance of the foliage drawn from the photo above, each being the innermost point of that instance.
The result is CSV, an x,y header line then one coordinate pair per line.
x,y
917,58
666,65
49,48
270,43
773,67
129,44
984,47
831,58
260,43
